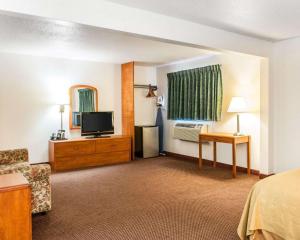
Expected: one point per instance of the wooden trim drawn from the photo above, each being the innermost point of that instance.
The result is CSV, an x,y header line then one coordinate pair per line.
x,y
71,102
262,176
14,188
210,163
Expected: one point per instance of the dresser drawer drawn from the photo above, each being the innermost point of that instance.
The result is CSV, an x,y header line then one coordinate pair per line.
x,y
67,163
63,163
113,145
65,149
104,158
83,161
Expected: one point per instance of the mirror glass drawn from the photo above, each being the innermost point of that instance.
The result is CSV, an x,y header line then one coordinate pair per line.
x,y
83,98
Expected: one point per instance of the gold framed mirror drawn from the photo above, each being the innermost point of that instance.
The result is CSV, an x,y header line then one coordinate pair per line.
x,y
83,98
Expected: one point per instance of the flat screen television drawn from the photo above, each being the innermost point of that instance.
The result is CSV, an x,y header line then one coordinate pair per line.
x,y
97,123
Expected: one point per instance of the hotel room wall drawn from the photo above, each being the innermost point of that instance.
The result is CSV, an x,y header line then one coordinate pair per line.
x,y
144,108
31,89
241,77
285,111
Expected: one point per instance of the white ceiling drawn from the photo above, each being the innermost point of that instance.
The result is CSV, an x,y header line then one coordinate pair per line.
x,y
36,36
268,19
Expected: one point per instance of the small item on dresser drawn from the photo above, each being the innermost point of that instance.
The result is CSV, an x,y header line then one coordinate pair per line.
x,y
61,135
53,136
58,135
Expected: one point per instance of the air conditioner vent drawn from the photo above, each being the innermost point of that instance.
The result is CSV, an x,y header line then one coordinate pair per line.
x,y
188,125
187,131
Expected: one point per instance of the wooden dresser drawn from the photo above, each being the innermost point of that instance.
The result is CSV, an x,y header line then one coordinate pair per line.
x,y
84,152
15,207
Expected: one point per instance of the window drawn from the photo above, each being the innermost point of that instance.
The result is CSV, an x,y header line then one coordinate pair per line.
x,y
195,94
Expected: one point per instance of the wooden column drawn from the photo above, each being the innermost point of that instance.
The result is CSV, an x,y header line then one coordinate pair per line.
x,y
128,102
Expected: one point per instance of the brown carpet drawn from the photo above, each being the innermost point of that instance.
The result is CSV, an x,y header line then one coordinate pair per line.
x,y
159,198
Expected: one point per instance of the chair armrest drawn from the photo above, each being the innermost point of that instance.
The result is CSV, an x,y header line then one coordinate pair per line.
x,y
40,171
13,156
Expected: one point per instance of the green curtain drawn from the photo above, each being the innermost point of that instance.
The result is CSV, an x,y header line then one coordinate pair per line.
x,y
195,94
86,100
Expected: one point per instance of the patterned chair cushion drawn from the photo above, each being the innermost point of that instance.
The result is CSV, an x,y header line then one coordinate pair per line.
x,y
22,167
13,156
41,195
40,171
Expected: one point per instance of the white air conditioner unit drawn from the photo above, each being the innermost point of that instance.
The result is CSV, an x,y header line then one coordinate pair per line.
x,y
187,131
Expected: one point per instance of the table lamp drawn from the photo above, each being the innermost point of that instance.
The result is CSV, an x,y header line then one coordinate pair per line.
x,y
61,111
237,105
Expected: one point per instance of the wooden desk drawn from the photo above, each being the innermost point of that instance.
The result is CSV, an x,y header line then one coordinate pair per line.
x,y
15,207
225,138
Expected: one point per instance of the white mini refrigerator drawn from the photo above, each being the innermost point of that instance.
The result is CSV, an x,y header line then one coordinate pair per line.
x,y
146,141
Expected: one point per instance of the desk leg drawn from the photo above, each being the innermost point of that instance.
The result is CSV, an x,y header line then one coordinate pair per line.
x,y
234,160
215,154
249,156
200,153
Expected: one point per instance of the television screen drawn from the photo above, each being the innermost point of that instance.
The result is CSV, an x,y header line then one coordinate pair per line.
x,y
97,123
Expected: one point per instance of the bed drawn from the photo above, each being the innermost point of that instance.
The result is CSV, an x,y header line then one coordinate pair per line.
x,y
272,210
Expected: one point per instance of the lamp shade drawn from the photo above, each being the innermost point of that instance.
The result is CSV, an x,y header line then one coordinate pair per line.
x,y
237,105
61,108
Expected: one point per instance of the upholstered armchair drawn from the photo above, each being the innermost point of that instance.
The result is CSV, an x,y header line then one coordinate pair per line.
x,y
38,176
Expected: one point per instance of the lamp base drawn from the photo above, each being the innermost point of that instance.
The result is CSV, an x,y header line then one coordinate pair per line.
x,y
238,134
